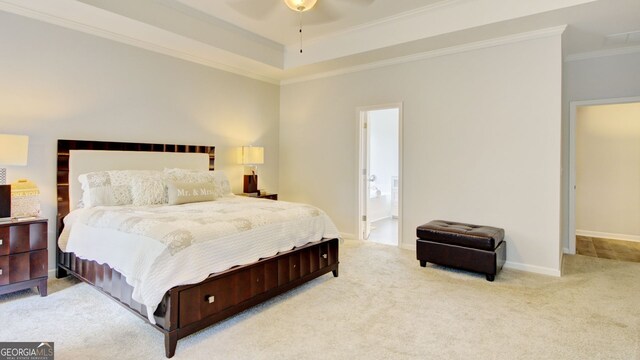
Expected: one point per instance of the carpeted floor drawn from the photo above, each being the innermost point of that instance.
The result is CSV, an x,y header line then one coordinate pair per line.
x,y
383,306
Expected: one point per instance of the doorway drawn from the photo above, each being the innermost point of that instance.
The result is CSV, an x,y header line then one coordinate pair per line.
x,y
379,185
604,187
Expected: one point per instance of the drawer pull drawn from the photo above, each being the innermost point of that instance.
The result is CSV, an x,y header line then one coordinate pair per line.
x,y
211,299
258,280
0,271
324,256
294,266
1,241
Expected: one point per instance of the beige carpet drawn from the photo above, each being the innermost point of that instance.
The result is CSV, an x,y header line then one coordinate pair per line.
x,y
383,306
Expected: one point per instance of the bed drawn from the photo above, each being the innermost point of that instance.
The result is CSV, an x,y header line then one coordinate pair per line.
x,y
188,307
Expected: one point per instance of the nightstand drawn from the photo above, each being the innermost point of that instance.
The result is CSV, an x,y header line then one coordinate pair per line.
x,y
263,195
23,256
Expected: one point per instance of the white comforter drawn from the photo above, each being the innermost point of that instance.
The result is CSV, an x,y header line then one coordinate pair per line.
x,y
159,247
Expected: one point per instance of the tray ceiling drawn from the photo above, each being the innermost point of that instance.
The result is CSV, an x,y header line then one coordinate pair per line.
x,y
275,21
259,39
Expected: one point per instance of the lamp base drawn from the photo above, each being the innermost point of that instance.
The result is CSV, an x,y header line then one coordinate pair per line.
x,y
250,184
5,201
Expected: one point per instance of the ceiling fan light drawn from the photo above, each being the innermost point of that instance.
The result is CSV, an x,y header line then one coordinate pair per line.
x,y
300,5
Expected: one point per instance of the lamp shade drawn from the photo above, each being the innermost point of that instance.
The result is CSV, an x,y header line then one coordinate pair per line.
x,y
14,150
252,155
300,5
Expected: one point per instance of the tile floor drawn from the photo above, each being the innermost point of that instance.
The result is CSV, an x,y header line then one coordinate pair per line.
x,y
608,248
384,231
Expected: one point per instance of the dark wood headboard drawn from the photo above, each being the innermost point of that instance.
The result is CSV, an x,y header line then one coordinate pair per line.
x,y
65,146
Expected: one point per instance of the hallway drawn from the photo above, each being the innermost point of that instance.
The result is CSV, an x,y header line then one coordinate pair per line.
x,y
608,248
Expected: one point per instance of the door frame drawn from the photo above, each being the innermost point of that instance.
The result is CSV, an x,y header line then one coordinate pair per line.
x,y
573,117
361,117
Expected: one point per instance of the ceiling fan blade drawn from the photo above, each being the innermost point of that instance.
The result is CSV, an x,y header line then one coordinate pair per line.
x,y
359,2
257,10
322,13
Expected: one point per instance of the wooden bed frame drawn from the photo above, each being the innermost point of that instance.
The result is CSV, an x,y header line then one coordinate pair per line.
x,y
189,308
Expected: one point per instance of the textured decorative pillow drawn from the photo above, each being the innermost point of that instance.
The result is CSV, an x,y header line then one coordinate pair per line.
x,y
187,176
221,183
217,178
148,190
183,193
96,189
108,188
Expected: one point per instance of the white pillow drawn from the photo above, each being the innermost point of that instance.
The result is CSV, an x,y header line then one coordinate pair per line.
x,y
183,193
220,181
148,190
187,176
92,184
109,188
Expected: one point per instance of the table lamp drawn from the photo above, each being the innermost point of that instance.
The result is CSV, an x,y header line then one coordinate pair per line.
x,y
14,150
251,156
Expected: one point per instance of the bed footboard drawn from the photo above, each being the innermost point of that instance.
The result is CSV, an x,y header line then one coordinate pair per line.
x,y
190,308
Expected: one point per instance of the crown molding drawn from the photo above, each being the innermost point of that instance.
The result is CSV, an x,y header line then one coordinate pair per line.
x,y
82,17
396,17
446,17
603,53
191,49
197,14
530,35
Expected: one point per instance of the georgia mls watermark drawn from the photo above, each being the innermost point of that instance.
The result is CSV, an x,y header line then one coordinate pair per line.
x,y
26,350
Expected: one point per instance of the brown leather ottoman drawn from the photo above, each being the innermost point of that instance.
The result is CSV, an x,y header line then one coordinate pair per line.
x,y
464,246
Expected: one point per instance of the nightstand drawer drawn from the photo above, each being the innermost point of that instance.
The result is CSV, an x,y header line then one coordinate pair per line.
x,y
38,236
19,269
23,256
4,240
4,270
38,264
20,238
23,267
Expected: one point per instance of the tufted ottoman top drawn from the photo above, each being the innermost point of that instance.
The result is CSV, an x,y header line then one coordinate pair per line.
x,y
460,234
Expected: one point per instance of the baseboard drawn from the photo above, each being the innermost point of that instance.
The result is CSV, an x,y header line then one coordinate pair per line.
x,y
411,247
52,273
510,265
605,235
348,236
532,269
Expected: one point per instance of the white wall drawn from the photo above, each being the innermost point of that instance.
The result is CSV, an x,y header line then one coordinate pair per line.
x,y
596,78
61,84
481,143
603,77
608,169
492,111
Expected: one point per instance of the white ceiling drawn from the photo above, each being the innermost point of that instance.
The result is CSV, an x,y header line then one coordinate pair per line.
x,y
275,21
259,39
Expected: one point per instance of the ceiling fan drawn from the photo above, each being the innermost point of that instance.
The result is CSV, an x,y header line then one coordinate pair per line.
x,y
316,11
324,11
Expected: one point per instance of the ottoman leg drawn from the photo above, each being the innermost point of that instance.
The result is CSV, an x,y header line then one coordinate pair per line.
x,y
491,277
423,263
